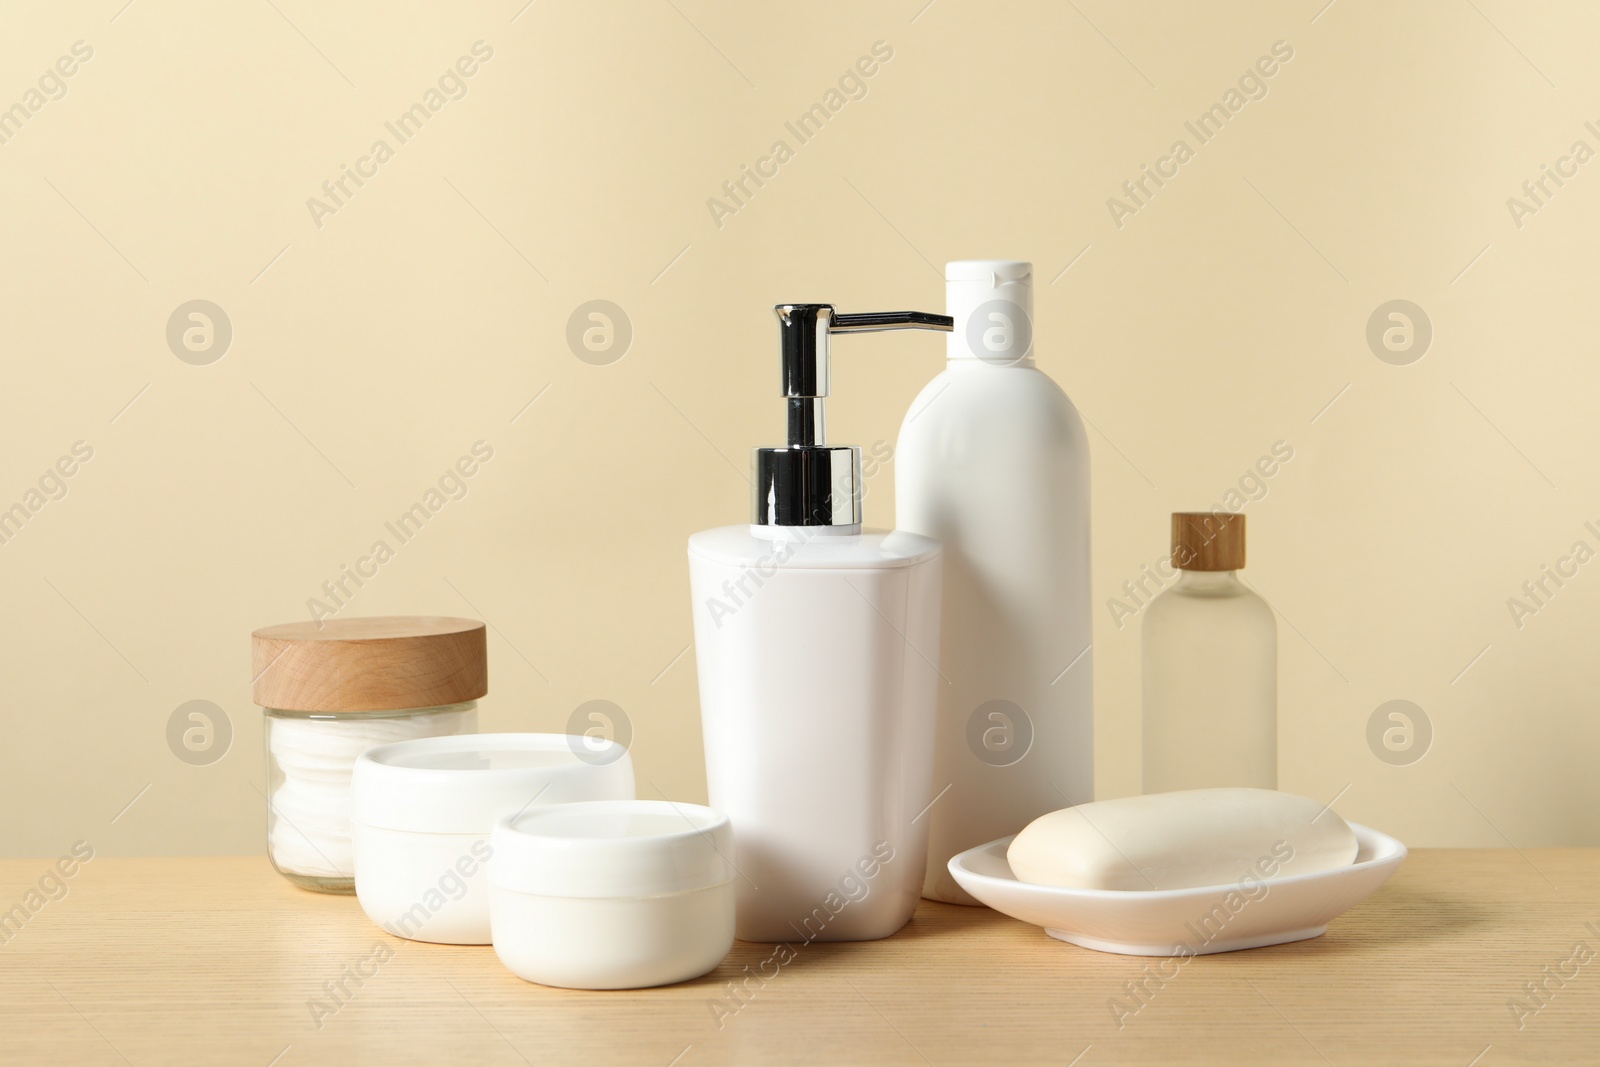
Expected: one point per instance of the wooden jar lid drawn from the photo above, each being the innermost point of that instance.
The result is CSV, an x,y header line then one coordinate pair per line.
x,y
377,664
1207,540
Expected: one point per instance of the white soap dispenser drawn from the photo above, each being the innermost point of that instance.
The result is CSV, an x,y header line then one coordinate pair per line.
x,y
817,644
993,462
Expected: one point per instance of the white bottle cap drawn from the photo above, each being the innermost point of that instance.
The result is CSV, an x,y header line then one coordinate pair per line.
x,y
462,783
612,848
992,303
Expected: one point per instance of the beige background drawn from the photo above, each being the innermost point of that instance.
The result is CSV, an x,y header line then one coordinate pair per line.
x,y
424,315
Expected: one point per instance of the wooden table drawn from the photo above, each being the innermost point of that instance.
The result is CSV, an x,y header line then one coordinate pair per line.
x,y
217,960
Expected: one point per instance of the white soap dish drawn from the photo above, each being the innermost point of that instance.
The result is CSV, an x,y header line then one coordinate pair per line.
x,y
1183,922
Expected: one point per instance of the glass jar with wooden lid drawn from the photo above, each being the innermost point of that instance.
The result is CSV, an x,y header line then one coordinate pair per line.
x,y
332,689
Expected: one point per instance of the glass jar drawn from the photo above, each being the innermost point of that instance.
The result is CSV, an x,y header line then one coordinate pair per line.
x,y
332,689
310,755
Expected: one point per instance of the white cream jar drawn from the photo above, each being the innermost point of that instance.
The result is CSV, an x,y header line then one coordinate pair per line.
x,y
421,812
612,895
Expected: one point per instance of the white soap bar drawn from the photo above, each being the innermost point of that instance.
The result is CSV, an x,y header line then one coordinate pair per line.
x,y
1196,837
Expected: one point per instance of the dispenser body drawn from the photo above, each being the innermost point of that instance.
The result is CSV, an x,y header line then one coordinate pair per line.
x,y
817,652
993,461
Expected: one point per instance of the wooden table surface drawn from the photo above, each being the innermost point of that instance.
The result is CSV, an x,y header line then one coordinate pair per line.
x,y
217,960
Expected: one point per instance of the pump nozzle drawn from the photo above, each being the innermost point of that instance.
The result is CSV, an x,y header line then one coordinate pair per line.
x,y
809,483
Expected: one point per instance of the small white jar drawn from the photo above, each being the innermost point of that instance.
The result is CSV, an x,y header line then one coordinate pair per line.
x,y
421,812
612,895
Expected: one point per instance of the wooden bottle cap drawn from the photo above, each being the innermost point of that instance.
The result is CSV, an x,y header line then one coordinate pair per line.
x,y
378,664
1207,540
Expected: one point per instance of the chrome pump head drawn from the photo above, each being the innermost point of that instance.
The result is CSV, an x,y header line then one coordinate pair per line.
x,y
809,482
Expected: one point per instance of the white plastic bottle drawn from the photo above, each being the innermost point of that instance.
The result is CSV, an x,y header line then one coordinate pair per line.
x,y
817,646
1209,667
994,463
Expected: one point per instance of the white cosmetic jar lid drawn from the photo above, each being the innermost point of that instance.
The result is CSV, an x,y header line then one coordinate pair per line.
x,y
612,848
462,784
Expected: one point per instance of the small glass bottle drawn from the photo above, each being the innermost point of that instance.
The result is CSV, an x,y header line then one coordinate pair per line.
x,y
1210,667
331,690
